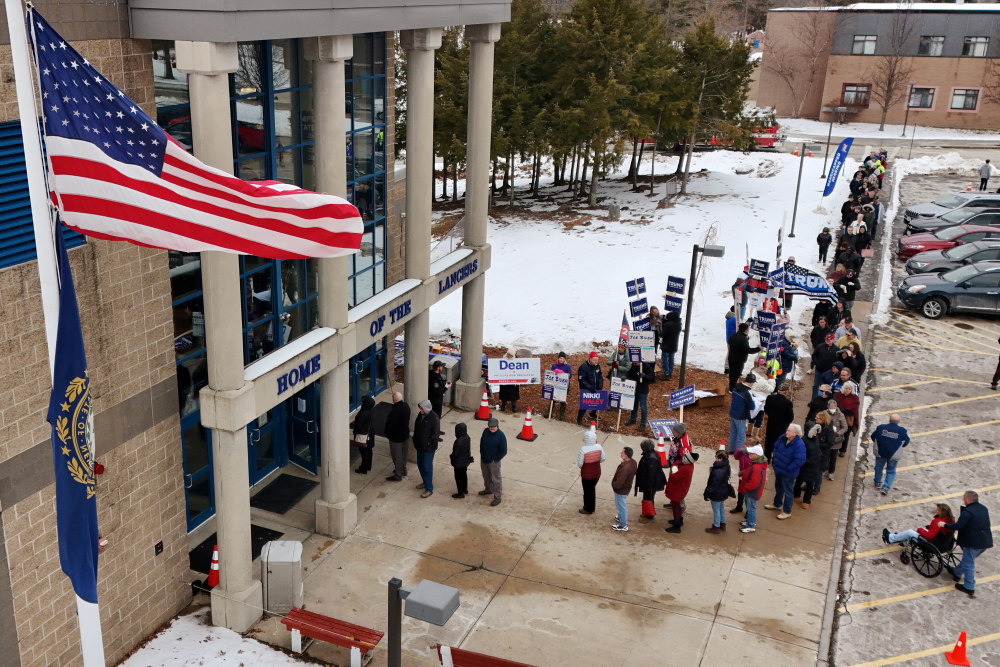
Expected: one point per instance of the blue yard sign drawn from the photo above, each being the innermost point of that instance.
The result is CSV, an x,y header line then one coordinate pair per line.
x,y
662,428
675,285
630,288
639,307
838,162
683,396
640,285
673,303
594,400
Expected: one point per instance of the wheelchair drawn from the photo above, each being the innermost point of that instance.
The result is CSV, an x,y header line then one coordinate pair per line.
x,y
929,557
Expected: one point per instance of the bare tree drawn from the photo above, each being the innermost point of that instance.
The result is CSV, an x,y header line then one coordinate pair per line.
x,y
991,77
797,59
890,73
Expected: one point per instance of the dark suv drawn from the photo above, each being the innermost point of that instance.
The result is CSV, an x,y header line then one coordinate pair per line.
x,y
960,216
973,288
938,261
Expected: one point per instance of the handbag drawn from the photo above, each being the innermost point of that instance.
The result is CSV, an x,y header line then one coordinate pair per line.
x,y
731,491
868,252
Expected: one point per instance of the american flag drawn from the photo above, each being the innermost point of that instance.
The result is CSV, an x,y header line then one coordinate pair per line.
x,y
115,174
800,280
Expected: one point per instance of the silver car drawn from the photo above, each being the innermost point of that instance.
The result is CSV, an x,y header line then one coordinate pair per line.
x,y
950,202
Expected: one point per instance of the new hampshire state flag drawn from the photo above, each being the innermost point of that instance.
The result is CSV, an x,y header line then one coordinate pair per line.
x,y
72,443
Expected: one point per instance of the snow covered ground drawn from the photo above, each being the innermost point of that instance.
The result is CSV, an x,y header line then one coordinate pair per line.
x,y
794,128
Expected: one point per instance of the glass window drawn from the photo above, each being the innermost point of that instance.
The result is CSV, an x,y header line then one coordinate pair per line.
x,y
864,45
975,46
855,94
931,45
922,98
250,75
965,99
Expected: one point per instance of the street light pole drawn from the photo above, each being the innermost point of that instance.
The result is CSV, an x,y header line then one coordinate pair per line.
x,y
909,103
708,251
798,184
826,154
395,623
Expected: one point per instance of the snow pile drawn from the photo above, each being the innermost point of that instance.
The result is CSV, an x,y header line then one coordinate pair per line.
x,y
814,128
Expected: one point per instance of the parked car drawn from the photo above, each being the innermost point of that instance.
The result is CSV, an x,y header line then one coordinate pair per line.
x,y
972,288
950,202
938,261
960,216
949,237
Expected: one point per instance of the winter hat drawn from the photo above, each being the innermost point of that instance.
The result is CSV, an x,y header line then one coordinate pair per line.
x,y
791,259
589,438
425,405
825,388
750,378
493,421
594,355
838,365
679,429
826,229
755,449
562,355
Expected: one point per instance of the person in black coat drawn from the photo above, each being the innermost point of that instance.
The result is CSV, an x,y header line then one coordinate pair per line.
x,y
717,490
824,356
847,210
819,331
590,379
739,350
822,309
974,536
397,431
825,438
437,386
805,483
426,432
363,436
823,241
461,458
670,332
649,478
643,374
780,413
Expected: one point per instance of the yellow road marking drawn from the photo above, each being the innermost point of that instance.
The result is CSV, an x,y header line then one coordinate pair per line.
x,y
921,342
917,466
952,331
913,596
923,375
930,499
901,386
886,550
927,652
947,327
900,341
913,343
927,332
935,405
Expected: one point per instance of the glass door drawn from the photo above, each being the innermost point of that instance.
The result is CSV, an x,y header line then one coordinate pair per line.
x,y
264,434
303,442
197,453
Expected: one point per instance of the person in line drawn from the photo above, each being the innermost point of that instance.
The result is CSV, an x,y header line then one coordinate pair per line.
x,y
589,378
509,393
397,430
824,357
742,456
752,481
847,324
363,436
643,374
805,481
437,387
717,490
461,458
854,360
426,432
942,516
731,324
492,449
670,333
850,405
739,350
825,439
841,433
847,288
589,460
562,367
621,484
741,405
681,461
780,413
788,356
818,334
974,536
789,456
889,439
656,326
649,478
823,240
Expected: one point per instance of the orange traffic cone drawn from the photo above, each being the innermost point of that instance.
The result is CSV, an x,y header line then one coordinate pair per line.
x,y
213,572
968,188
593,426
957,656
527,432
483,413
661,451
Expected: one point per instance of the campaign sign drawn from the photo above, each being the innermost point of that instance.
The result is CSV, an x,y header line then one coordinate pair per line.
x,y
756,285
622,395
662,427
554,386
764,321
639,307
675,285
683,396
630,288
514,371
640,346
758,268
642,325
673,303
777,278
774,339
640,285
594,400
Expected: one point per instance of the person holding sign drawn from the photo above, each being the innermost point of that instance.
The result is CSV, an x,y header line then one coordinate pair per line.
x,y
509,393
643,374
681,461
670,333
562,367
620,363
590,379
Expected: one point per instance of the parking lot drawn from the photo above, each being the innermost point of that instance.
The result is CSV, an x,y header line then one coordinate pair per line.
x,y
935,374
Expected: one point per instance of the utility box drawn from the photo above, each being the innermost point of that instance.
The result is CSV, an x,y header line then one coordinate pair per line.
x,y
452,368
281,575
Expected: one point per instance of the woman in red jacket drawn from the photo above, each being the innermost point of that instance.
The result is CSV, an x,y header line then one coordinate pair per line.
x,y
942,515
752,481
850,404
681,461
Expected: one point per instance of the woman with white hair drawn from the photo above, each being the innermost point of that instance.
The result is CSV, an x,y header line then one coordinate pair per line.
x,y
787,459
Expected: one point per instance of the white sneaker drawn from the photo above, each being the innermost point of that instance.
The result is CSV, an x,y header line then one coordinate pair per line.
x,y
784,516
748,529
829,476
620,528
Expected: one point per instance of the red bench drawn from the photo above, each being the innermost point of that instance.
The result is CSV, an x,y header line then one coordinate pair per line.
x,y
358,639
457,657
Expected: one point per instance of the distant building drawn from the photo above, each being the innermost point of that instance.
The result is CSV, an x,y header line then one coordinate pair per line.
x,y
945,56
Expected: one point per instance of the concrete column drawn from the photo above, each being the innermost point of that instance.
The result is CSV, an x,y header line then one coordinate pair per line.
x,y
337,507
481,38
236,602
420,46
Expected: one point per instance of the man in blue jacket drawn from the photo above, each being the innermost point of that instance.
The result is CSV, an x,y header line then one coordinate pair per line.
x,y
974,536
787,459
492,449
889,441
740,407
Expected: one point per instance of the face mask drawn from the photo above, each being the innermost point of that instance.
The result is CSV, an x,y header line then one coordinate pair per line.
x,y
832,410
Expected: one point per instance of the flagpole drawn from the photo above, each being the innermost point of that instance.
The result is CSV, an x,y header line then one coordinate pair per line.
x,y
88,614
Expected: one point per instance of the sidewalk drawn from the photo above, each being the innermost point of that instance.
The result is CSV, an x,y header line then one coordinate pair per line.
x,y
543,584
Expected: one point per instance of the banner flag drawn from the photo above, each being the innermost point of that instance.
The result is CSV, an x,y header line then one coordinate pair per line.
x,y
800,280
836,165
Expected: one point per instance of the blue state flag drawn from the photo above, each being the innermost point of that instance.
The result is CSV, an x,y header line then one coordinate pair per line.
x,y
72,443
836,165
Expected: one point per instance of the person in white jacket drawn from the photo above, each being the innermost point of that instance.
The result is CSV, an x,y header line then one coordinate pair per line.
x,y
984,175
589,460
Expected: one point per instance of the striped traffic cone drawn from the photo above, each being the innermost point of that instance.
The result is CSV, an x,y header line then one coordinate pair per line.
x,y
527,432
483,413
213,571
661,451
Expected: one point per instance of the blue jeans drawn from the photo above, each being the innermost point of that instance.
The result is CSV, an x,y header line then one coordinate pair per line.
x,y
637,406
622,509
783,492
903,536
718,512
667,359
425,465
967,567
890,471
751,504
737,433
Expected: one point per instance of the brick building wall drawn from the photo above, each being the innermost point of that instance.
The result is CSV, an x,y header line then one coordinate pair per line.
x,y
793,66
124,297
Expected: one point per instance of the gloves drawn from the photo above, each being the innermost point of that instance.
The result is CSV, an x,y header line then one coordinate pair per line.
x,y
614,364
